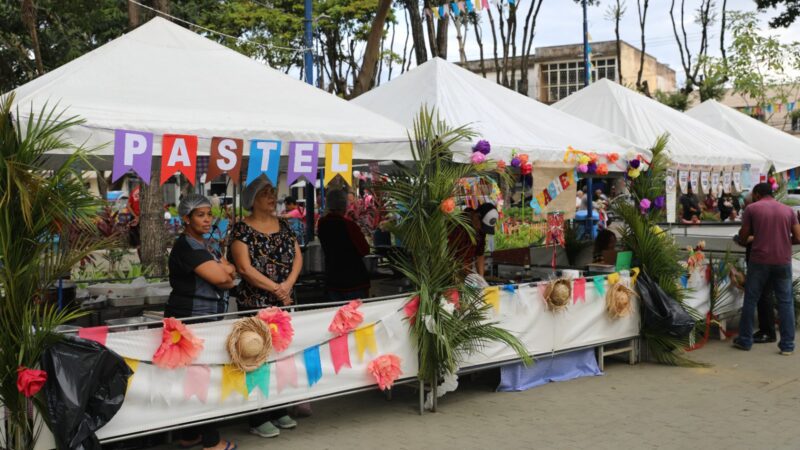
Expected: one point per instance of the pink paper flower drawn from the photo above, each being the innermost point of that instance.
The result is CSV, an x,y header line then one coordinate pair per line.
x,y
385,369
410,309
280,327
30,381
453,296
477,157
179,346
347,318
583,168
644,205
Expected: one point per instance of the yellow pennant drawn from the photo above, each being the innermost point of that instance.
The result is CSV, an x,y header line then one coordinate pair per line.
x,y
365,340
233,380
339,161
133,364
491,296
613,278
634,273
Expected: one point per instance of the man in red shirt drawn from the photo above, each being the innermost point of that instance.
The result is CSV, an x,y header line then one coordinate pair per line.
x,y
774,229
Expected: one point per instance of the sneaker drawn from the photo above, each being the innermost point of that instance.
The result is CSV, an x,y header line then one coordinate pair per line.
x,y
763,338
787,352
266,430
285,423
737,344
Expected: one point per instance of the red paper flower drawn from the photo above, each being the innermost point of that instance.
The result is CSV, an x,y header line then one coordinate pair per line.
x,y
279,323
410,309
30,381
602,169
593,157
448,205
453,297
612,157
523,158
526,168
385,369
501,165
347,318
179,346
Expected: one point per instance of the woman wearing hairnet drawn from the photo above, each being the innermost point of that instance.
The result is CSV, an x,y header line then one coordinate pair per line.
x,y
266,254
200,280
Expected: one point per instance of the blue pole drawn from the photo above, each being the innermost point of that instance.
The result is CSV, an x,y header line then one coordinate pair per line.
x,y
587,71
308,62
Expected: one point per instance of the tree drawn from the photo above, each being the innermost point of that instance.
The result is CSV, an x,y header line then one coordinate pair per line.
x,y
641,8
614,13
366,75
700,73
676,100
506,26
417,33
785,18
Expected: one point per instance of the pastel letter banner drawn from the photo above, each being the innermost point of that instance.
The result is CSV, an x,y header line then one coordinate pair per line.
x,y
133,150
178,154
491,296
694,178
715,181
737,180
287,373
726,181
704,182
340,353
579,290
303,160
265,157
339,161
133,364
535,205
97,334
226,157
196,382
313,364
365,340
233,381
683,180
258,378
599,284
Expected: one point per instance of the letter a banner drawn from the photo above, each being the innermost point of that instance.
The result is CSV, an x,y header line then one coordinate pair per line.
x,y
178,154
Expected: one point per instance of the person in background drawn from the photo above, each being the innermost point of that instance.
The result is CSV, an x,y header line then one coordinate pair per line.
x,y
199,280
296,217
690,206
580,202
472,253
267,257
774,228
710,202
344,246
134,207
727,208
599,195
605,248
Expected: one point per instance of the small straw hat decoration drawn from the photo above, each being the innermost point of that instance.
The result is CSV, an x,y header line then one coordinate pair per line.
x,y
249,344
558,294
618,300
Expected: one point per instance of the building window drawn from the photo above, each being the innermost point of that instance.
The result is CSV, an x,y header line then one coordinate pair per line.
x,y
564,78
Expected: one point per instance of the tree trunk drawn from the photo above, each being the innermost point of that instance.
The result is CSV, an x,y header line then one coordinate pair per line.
x,y
642,20
441,36
722,40
28,10
417,33
102,184
528,31
151,224
462,55
479,38
133,15
367,74
617,19
431,31
494,44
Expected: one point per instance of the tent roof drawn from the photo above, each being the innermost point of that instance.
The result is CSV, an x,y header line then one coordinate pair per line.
x,y
507,119
781,148
641,119
163,78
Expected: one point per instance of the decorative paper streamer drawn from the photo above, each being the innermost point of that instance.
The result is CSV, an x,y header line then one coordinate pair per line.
x,y
287,373
454,9
97,334
313,365
233,381
579,290
258,378
340,353
161,381
599,284
226,157
339,161
469,6
441,11
133,364
133,150
178,154
303,162
613,278
461,6
365,340
510,288
485,4
264,159
491,296
196,382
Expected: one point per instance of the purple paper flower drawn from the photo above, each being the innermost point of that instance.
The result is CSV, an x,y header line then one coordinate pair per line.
x,y
483,146
592,167
644,205
515,162
634,163
660,202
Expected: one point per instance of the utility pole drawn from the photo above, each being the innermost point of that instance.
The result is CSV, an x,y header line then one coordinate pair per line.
x,y
308,63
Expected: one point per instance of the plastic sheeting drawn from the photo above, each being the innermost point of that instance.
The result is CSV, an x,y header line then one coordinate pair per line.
x,y
163,78
642,120
507,119
780,147
565,367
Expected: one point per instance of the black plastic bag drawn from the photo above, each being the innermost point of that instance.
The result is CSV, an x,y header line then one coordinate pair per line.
x,y
662,313
85,388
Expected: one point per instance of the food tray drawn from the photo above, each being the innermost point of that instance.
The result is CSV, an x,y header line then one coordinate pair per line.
x,y
126,301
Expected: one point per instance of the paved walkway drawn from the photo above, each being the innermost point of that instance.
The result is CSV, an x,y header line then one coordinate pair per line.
x,y
747,400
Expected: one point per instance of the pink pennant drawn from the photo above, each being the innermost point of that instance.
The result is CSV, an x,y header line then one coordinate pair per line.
x,y
340,353
461,7
97,334
485,4
579,290
287,373
196,382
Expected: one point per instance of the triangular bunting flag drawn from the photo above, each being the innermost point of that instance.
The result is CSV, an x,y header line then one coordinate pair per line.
x,y
233,381
365,340
579,290
340,353
600,284
313,365
287,373
196,382
258,378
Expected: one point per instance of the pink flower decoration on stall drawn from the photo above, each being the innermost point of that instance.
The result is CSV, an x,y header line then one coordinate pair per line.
x,y
30,381
385,369
179,346
448,205
347,318
583,168
477,157
280,327
644,205
453,296
410,309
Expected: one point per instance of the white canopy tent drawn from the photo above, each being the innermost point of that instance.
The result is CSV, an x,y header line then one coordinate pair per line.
x,y
642,120
507,119
163,78
781,148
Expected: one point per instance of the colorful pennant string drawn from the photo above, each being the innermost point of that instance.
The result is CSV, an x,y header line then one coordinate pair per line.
x,y
287,373
365,340
579,290
599,284
259,378
491,296
233,380
196,382
313,364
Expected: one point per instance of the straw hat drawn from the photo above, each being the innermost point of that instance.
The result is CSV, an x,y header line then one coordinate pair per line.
x,y
249,344
618,300
558,294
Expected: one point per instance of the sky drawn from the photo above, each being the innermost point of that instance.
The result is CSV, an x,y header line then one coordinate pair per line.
x,y
560,22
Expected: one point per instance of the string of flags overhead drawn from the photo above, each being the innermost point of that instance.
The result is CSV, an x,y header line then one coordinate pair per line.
x,y
465,7
769,108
